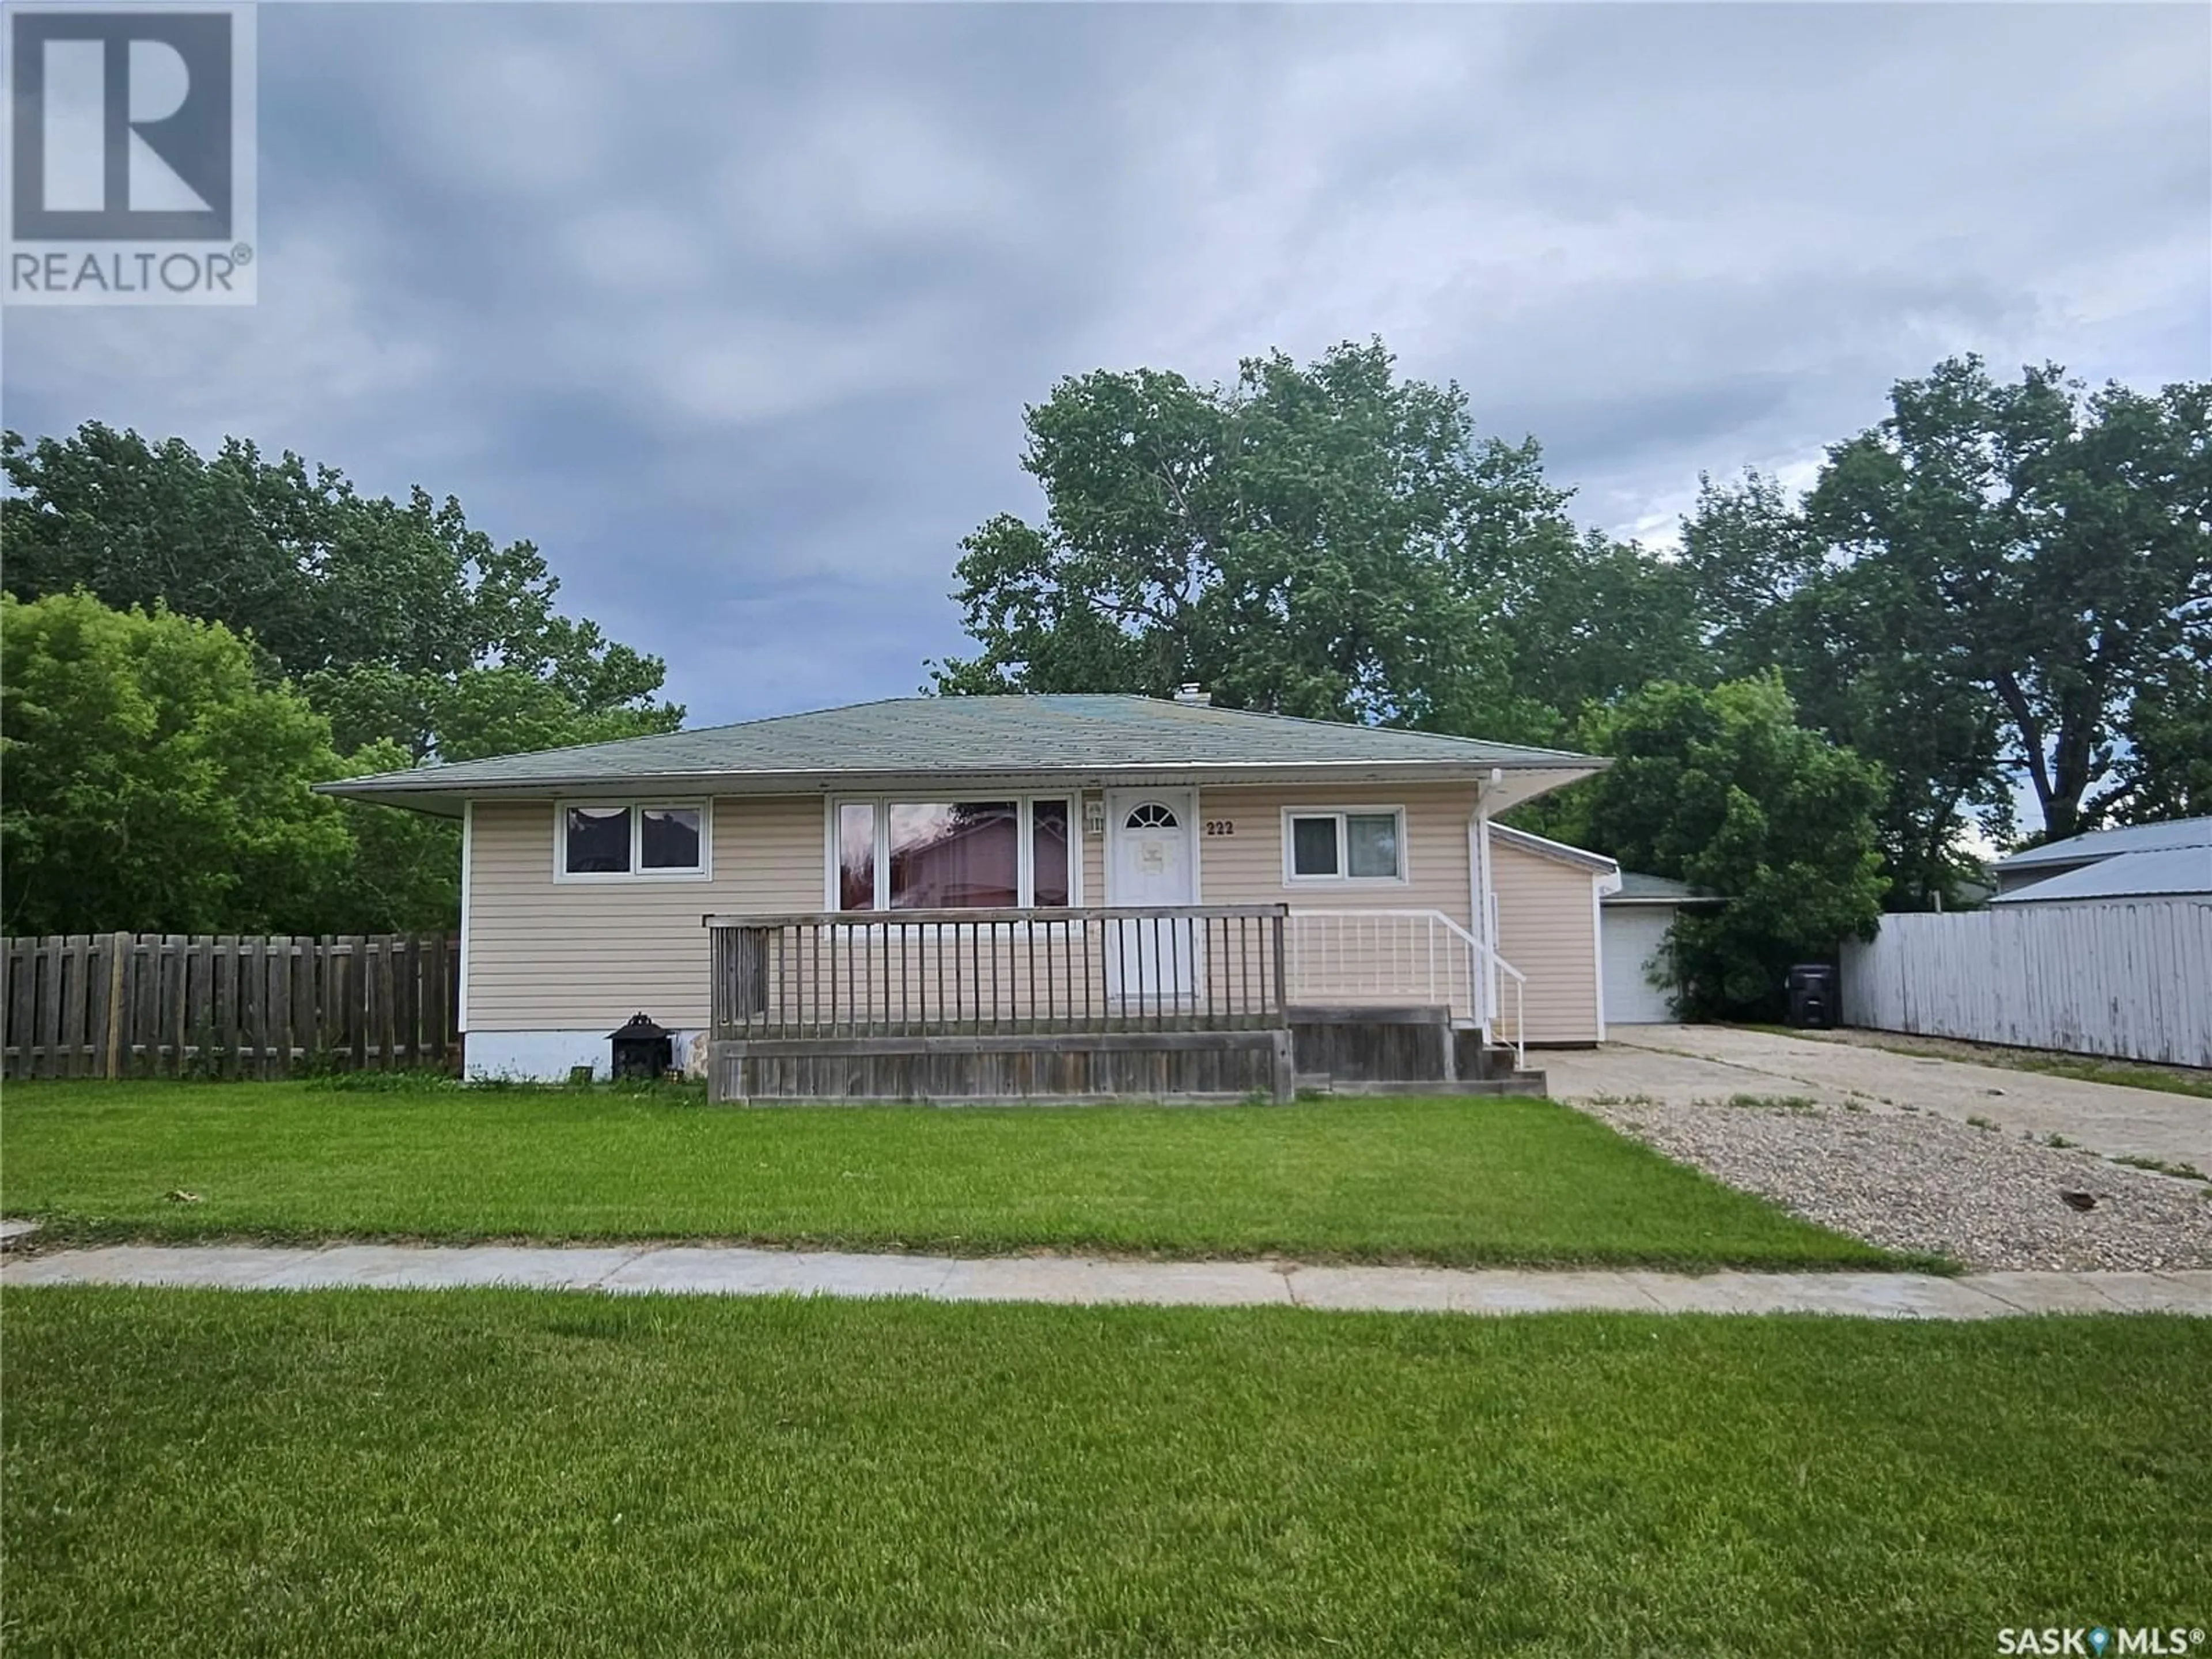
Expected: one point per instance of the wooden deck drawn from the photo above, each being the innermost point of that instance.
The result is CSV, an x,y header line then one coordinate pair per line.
x,y
985,1004
1189,1002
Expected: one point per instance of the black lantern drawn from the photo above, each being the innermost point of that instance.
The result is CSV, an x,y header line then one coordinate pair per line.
x,y
641,1049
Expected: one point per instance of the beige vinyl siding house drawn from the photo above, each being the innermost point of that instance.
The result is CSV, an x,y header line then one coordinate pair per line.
x,y
1373,847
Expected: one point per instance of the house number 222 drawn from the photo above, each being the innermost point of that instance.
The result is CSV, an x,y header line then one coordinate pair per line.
x,y
1221,826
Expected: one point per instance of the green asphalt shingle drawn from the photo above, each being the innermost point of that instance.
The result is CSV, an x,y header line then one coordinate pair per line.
x,y
910,736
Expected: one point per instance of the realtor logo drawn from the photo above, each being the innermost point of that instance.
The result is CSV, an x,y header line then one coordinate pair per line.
x,y
130,136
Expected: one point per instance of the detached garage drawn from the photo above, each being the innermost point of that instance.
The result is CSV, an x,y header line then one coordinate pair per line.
x,y
1632,924
1546,895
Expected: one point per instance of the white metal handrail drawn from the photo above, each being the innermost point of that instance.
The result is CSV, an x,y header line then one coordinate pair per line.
x,y
1385,954
1498,965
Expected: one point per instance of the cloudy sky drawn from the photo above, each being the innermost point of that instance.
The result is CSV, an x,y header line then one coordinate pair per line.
x,y
734,309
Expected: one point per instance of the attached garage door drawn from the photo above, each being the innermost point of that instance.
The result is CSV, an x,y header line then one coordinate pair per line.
x,y
1632,933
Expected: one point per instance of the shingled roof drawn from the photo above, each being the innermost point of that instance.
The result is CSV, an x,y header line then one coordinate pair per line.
x,y
1099,740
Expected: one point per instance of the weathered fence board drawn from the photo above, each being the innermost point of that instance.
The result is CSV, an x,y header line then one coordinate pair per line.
x,y
150,1005
2131,981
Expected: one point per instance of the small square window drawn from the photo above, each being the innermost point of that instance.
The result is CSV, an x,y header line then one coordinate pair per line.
x,y
1313,847
1371,841
596,842
668,837
599,841
1345,846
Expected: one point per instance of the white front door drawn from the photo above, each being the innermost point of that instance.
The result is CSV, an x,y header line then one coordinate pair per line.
x,y
1152,862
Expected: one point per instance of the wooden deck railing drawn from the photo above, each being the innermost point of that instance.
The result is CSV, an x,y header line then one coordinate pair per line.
x,y
999,973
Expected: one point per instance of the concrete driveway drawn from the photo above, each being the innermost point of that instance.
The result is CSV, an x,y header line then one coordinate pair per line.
x,y
1680,1064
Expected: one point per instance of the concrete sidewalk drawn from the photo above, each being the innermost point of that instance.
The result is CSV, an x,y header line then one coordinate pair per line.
x,y
717,1271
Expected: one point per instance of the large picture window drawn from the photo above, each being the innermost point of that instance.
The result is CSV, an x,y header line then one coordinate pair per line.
x,y
1008,853
955,855
607,841
1360,843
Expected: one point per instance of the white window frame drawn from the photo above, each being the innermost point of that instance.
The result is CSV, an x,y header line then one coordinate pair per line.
x,y
1344,877
636,808
1024,802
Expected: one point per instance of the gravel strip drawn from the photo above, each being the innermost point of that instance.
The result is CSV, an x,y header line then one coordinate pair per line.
x,y
1912,1181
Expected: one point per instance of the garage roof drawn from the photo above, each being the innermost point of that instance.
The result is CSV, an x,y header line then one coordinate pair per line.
x,y
1635,888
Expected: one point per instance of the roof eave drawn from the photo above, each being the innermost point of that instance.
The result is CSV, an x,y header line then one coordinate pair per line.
x,y
426,790
1558,852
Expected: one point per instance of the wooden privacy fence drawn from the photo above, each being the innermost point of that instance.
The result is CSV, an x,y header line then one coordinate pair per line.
x,y
2132,980
150,1005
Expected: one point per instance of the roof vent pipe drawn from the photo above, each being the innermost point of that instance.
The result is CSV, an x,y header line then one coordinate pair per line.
x,y
1192,693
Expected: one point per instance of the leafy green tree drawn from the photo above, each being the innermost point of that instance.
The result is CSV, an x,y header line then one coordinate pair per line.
x,y
1997,581
1723,788
151,781
2167,771
500,710
1865,654
2051,547
1587,620
414,636
1326,540
156,781
330,586
1302,541
404,874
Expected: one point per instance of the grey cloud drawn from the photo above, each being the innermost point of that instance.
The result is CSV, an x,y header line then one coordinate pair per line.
x,y
733,310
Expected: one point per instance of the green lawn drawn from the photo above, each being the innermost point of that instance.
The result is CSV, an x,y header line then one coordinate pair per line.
x,y
369,1473
1484,1180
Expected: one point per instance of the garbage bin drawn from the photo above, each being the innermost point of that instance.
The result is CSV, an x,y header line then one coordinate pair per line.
x,y
1813,995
